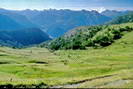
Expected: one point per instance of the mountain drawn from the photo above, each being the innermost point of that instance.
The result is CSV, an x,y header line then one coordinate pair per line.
x,y
28,13
8,23
23,37
57,22
89,36
21,19
114,13
123,19
15,34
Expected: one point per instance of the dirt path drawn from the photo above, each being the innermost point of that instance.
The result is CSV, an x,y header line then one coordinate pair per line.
x,y
78,83
116,83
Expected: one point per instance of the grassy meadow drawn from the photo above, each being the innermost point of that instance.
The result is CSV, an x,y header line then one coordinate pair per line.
x,y
110,66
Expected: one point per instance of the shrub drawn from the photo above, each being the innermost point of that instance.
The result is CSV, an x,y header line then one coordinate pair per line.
x,y
103,38
94,36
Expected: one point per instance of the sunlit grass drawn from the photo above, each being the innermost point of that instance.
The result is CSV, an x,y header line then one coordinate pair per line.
x,y
36,65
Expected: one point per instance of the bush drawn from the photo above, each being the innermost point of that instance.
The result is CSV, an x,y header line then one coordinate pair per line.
x,y
117,33
95,36
103,38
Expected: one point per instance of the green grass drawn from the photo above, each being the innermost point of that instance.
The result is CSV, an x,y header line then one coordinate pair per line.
x,y
37,65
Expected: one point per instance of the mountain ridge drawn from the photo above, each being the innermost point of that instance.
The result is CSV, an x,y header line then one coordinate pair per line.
x,y
122,19
89,36
57,22
14,34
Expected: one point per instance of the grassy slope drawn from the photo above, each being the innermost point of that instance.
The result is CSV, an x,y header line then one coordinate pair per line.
x,y
89,36
61,67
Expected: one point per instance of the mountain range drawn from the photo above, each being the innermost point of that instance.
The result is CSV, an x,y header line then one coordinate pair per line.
x,y
114,13
127,18
57,22
16,30
47,24
93,36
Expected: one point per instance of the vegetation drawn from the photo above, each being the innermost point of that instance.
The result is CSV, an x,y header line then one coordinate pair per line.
x,y
22,37
123,19
107,67
106,62
15,31
93,36
114,13
57,22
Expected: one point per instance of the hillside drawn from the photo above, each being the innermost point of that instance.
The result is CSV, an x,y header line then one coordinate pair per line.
x,y
22,37
122,19
57,22
5,20
20,19
89,36
114,13
15,34
108,67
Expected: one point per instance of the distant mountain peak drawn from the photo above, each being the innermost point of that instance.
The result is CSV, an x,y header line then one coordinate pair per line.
x,y
114,13
94,11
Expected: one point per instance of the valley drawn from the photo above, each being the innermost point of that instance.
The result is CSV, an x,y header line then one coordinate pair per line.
x,y
64,68
64,48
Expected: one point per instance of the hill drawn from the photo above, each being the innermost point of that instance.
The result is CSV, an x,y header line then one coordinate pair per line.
x,y
20,19
57,22
15,34
89,36
123,19
108,67
22,37
8,23
114,13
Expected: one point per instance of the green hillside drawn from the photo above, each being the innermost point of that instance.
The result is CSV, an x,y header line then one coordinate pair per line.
x,y
123,19
89,36
111,66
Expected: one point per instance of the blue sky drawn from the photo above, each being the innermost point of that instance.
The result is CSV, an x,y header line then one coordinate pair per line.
x,y
67,4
